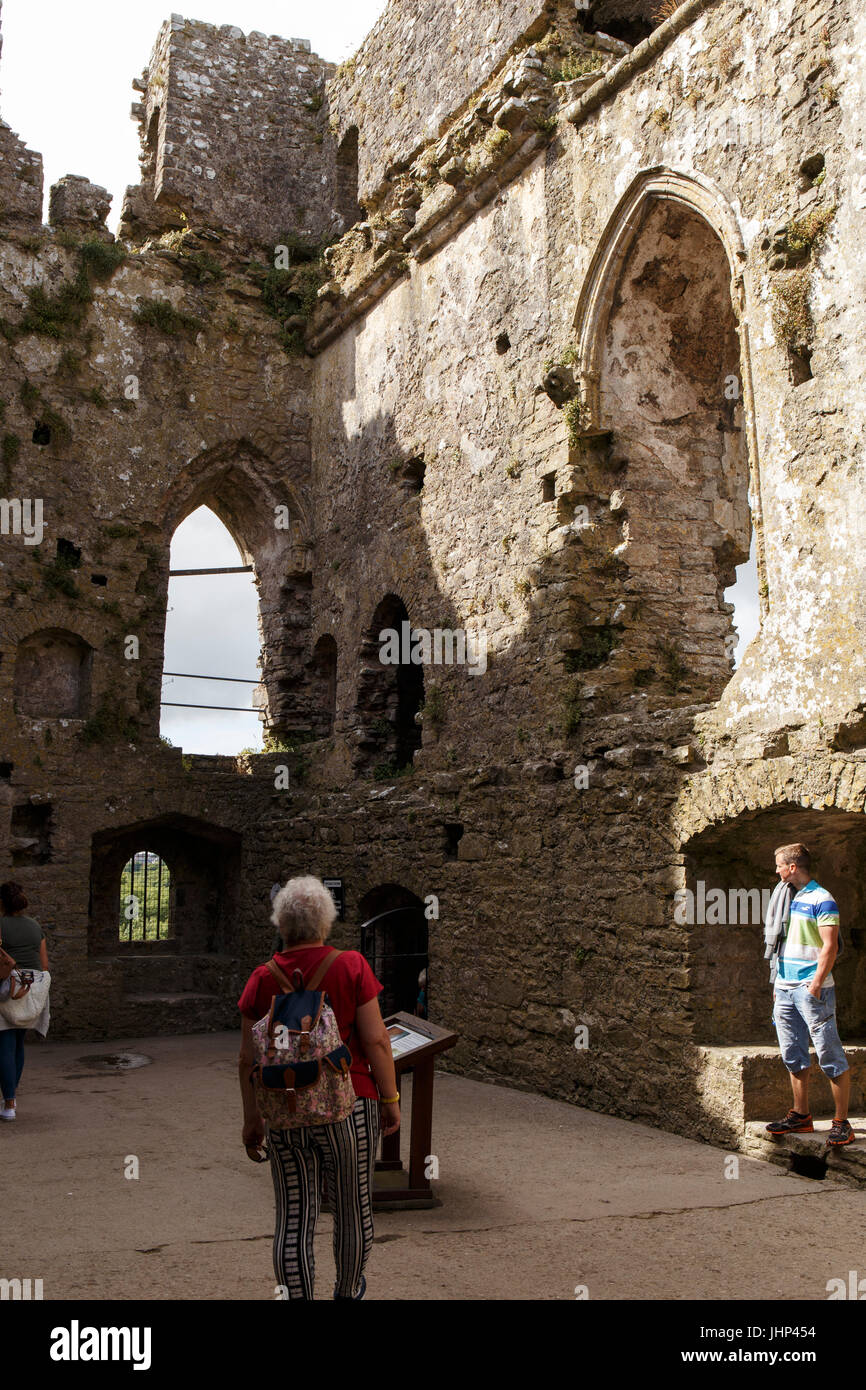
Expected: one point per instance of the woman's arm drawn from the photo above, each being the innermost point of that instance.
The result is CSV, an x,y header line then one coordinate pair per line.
x,y
43,955
254,1126
377,1047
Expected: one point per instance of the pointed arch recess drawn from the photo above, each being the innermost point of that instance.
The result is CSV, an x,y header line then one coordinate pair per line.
x,y
243,486
700,196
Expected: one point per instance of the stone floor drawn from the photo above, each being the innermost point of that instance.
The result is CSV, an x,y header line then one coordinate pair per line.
x,y
538,1198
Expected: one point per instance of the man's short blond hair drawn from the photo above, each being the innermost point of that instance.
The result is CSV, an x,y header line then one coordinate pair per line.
x,y
795,854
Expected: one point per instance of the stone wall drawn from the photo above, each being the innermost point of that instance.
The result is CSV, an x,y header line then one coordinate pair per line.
x,y
418,65
552,390
234,135
20,176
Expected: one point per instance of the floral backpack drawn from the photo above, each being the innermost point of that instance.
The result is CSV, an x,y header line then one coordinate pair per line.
x,y
301,1071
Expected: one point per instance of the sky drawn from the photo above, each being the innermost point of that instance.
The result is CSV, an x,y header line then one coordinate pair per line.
x,y
65,77
211,630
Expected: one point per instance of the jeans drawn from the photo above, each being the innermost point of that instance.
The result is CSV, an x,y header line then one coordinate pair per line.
x,y
11,1060
799,1017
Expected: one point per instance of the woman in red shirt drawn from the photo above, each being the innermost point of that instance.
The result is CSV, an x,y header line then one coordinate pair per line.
x,y
304,913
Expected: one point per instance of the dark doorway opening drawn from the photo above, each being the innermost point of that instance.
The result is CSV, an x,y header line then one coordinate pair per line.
x,y
394,939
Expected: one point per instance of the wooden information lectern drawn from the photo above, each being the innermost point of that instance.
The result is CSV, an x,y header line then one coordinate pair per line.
x,y
415,1043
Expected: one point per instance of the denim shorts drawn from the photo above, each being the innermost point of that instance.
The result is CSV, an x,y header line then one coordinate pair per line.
x,y
799,1017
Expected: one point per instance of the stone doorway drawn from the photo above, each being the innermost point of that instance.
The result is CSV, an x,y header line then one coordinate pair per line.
x,y
730,994
394,939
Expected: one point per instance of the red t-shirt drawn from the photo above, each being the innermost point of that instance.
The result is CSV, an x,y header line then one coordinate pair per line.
x,y
349,983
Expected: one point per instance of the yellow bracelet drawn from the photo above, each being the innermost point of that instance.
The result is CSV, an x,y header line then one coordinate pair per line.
x,y
384,1100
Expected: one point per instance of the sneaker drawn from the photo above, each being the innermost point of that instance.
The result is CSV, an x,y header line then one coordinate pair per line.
x,y
7,1114
840,1133
793,1123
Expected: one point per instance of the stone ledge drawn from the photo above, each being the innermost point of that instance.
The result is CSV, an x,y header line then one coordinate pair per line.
x,y
640,57
751,1083
846,1165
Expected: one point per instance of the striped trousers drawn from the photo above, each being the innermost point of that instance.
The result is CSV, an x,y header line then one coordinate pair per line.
x,y
346,1153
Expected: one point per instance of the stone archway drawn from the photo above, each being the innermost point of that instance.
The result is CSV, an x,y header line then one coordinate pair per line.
x,y
730,996
665,378
728,821
394,939
390,693
268,524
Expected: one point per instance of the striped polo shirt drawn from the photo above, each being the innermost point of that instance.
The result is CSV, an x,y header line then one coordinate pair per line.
x,y
811,908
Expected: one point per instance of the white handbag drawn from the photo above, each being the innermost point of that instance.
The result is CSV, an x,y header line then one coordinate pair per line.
x,y
25,1011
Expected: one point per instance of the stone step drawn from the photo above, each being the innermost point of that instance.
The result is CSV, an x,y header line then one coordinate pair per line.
x,y
175,1012
739,1084
171,973
807,1154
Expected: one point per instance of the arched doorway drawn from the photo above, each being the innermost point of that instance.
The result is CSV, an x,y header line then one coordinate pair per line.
x,y
729,873
394,939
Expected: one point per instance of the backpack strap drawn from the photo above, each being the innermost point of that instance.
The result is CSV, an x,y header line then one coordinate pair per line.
x,y
322,969
280,976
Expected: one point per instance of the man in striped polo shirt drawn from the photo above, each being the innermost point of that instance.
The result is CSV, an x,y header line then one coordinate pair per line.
x,y
805,997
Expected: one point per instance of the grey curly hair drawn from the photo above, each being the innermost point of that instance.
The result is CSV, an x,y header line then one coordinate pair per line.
x,y
303,910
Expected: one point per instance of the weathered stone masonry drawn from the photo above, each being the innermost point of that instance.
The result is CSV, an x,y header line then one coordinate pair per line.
x,y
600,321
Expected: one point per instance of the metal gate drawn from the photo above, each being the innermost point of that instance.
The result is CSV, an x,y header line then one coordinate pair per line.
x,y
395,945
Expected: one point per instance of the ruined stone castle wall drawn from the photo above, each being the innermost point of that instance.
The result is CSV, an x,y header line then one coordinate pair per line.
x,y
505,556
234,135
557,385
417,67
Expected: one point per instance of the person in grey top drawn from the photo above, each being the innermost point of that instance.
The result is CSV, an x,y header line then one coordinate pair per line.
x,y
24,940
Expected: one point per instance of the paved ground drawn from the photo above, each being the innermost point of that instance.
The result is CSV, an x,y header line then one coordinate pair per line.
x,y
538,1197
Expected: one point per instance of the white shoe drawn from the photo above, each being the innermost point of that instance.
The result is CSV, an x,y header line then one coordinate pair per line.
x,y
7,1114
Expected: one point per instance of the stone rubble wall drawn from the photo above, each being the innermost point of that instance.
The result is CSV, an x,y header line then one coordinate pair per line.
x,y
20,175
234,136
418,65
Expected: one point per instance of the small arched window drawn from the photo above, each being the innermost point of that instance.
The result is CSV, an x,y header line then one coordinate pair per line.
x,y
389,694
347,179
145,898
325,675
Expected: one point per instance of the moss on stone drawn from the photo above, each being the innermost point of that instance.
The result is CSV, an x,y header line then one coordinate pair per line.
x,y
57,577
11,448
111,723
101,258
576,62
55,315
805,233
572,707
575,420
162,315
596,645
202,268
792,316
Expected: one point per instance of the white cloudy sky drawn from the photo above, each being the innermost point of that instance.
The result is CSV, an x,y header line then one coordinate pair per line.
x,y
65,77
